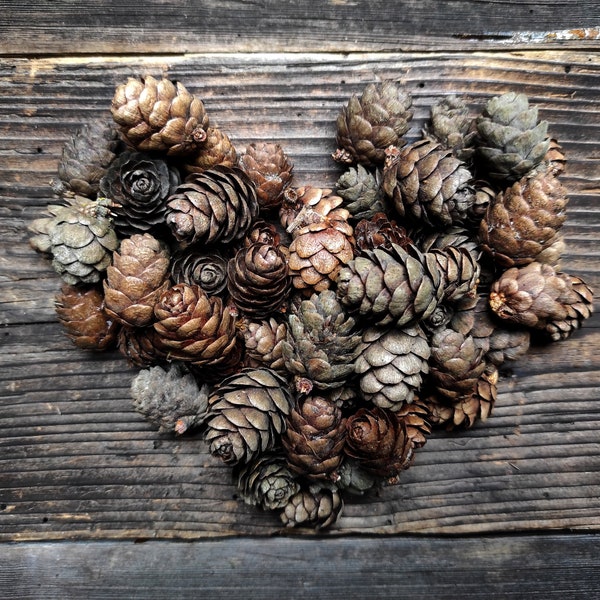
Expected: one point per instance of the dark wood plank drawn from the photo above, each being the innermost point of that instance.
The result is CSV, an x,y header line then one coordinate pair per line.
x,y
77,462
477,568
184,26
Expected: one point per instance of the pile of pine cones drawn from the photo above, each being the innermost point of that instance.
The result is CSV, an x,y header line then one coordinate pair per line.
x,y
311,337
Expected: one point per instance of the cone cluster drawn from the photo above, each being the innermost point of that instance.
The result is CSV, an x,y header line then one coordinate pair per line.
x,y
314,336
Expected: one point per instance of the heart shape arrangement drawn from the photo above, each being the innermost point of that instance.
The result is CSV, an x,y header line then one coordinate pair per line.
x,y
313,337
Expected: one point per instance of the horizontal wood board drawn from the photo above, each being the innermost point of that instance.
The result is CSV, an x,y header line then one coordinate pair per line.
x,y
76,462
508,567
99,27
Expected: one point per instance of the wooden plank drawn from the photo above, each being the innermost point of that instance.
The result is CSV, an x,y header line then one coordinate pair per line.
x,y
176,27
77,462
475,568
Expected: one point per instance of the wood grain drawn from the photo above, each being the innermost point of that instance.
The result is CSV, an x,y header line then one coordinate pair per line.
x,y
177,27
77,462
522,566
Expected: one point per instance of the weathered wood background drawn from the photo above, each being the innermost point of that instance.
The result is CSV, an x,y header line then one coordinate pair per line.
x,y
77,463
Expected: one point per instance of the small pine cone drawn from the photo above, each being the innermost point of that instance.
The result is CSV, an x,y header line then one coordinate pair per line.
x,y
524,220
456,237
416,420
216,149
314,438
85,158
218,205
319,505
511,141
321,343
378,439
159,116
81,312
456,363
247,413
361,191
266,481
138,185
264,233
538,297
170,398
263,342
270,169
202,267
367,126
355,480
391,365
460,272
453,127
79,236
291,205
402,287
136,279
140,346
427,184
380,232
194,327
555,159
257,280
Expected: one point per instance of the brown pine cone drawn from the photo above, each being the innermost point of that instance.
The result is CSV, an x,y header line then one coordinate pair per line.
x,y
81,312
460,271
218,205
291,205
136,279
318,505
314,438
216,149
257,280
247,414
378,439
140,346
367,126
380,232
85,158
199,266
263,343
555,159
416,420
427,184
263,232
194,327
537,296
524,220
159,116
270,169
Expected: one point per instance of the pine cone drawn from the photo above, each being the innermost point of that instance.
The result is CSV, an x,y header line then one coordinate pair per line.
x,y
159,116
416,419
380,232
524,220
361,191
138,185
79,236
367,126
270,169
263,232
193,326
355,480
218,205
319,505
170,398
512,142
321,344
538,297
85,158
456,237
555,159
264,343
81,312
247,413
292,204
428,184
377,438
453,127
198,266
391,365
314,438
216,149
140,346
257,280
136,279
460,272
266,481
402,287
322,241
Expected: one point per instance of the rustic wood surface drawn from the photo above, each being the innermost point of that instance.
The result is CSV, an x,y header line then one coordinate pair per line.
x,y
77,463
